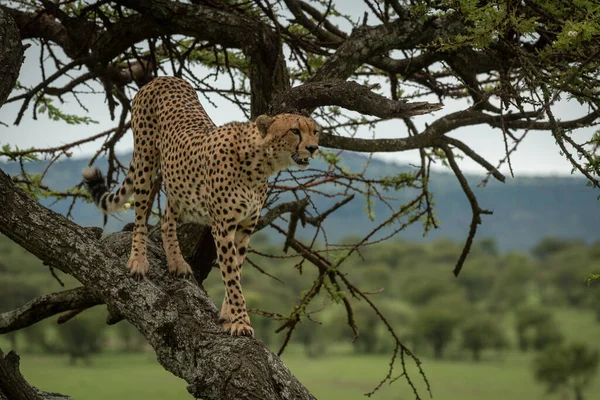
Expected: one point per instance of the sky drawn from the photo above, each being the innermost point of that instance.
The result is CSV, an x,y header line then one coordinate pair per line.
x,y
538,154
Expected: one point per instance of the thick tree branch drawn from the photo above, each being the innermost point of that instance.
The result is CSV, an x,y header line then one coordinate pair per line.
x,y
430,136
217,26
196,242
11,54
46,306
369,41
175,316
14,387
347,94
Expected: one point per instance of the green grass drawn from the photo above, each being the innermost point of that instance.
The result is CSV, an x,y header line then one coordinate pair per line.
x,y
139,376
349,377
337,375
108,376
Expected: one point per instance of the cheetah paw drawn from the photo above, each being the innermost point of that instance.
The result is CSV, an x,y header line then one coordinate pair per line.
x,y
138,266
180,268
239,328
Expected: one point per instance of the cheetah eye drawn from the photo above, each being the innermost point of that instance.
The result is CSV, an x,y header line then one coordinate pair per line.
x,y
296,131
316,133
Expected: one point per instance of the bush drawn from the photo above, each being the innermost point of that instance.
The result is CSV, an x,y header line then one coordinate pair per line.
x,y
536,329
481,332
82,336
436,326
569,367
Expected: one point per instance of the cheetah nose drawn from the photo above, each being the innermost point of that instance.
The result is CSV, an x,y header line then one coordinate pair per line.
x,y
312,149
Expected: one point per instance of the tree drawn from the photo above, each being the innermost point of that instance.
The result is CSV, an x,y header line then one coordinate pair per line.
x,y
81,337
436,326
504,64
13,293
567,269
536,329
550,246
481,332
546,335
373,337
11,54
569,367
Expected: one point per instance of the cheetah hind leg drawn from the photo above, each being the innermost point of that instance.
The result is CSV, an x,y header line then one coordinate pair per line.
x,y
177,265
241,327
138,262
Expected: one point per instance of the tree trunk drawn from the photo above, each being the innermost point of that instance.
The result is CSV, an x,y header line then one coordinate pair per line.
x,y
476,352
438,350
175,315
14,387
578,393
11,54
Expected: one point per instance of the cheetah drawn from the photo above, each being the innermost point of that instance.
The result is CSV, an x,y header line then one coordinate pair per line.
x,y
211,173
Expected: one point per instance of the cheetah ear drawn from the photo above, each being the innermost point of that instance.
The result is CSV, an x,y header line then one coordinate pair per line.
x,y
263,122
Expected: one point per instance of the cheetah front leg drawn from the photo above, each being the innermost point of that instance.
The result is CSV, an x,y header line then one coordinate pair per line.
x,y
168,230
234,316
242,239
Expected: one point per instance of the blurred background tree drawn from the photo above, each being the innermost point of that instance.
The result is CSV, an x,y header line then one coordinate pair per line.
x,y
567,367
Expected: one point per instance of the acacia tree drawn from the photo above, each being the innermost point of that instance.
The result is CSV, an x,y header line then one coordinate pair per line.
x,y
506,63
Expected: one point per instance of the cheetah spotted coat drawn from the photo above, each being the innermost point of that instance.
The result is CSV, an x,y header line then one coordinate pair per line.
x,y
215,174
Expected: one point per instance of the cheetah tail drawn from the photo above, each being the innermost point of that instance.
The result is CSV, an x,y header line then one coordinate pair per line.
x,y
96,185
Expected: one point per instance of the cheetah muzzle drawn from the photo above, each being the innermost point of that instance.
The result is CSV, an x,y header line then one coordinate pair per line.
x,y
211,173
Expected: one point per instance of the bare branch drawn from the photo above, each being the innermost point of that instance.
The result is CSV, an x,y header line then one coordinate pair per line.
x,y
46,306
475,209
349,95
475,157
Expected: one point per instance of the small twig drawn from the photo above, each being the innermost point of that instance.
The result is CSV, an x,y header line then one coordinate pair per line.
x,y
53,272
475,209
262,271
476,157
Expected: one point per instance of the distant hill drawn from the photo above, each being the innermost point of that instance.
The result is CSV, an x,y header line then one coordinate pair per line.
x,y
525,209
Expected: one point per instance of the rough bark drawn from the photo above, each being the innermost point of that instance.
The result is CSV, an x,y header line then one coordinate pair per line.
x,y
347,94
14,387
11,54
176,316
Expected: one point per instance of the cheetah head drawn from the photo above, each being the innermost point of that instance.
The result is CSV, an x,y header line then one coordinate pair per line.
x,y
293,138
